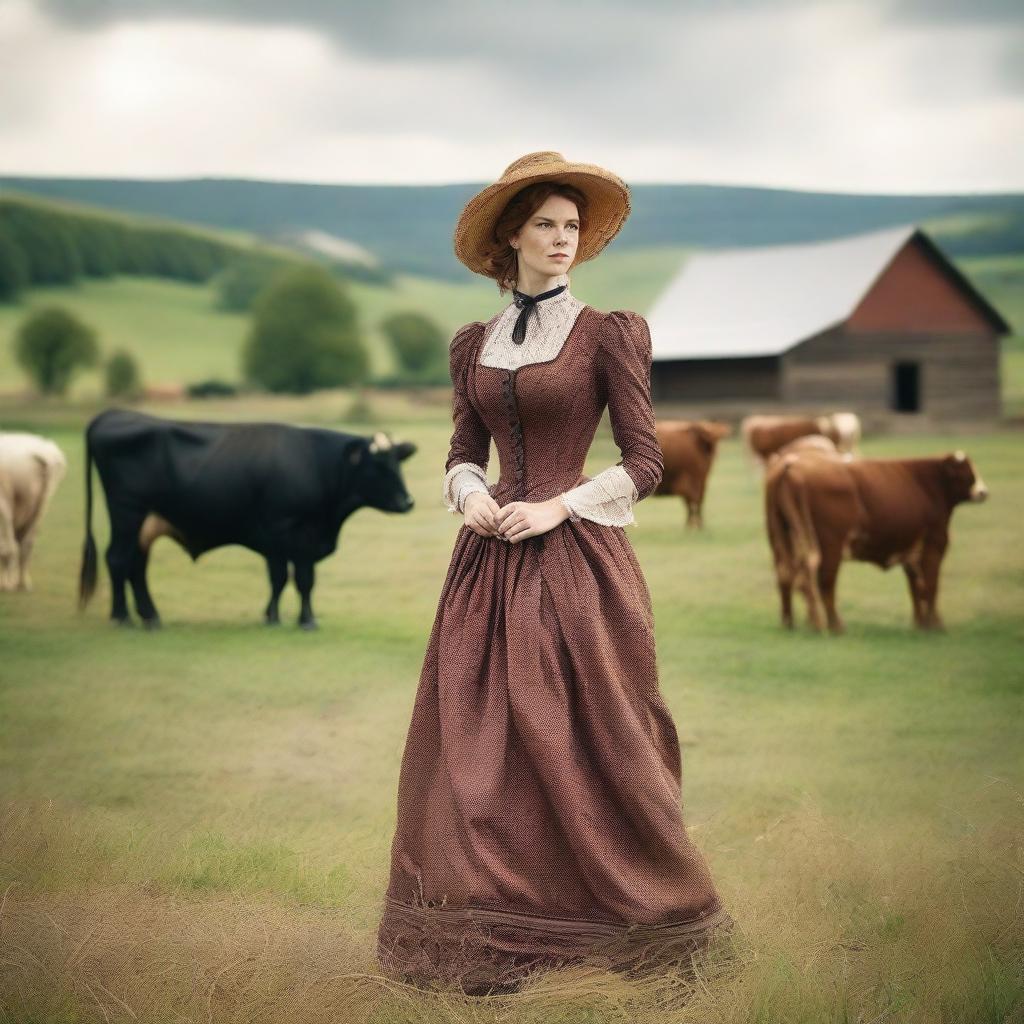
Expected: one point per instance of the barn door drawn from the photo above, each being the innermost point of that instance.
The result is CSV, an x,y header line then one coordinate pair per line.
x,y
906,387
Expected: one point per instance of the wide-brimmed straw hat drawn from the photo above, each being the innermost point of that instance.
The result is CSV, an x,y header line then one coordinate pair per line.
x,y
607,195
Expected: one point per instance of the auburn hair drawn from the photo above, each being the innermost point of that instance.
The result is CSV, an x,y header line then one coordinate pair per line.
x,y
501,259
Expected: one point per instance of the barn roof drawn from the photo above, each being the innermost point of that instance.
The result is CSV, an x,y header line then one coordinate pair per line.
x,y
763,301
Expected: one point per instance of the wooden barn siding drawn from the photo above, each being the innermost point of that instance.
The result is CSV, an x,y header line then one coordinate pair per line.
x,y
695,380
959,372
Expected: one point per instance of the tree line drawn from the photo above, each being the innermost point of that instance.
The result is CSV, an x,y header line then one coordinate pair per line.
x,y
41,245
304,333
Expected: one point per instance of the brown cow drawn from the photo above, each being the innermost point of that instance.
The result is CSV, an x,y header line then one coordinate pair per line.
x,y
688,449
820,510
763,435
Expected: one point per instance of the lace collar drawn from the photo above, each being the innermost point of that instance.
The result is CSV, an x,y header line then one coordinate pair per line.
x,y
546,330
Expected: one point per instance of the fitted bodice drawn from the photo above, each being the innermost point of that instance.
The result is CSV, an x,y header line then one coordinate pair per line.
x,y
542,415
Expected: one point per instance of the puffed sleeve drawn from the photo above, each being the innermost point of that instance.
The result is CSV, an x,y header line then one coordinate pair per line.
x,y
624,371
470,447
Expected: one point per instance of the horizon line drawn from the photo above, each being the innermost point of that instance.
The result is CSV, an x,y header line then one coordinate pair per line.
x,y
227,178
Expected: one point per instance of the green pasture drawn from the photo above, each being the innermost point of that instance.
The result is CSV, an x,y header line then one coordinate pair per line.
x,y
196,822
179,337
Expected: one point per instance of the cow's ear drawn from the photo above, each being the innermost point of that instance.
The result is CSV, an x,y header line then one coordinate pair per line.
x,y
704,438
356,454
404,449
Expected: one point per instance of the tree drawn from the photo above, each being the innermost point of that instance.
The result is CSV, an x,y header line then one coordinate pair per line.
x,y
51,346
123,379
46,243
13,268
417,341
241,281
304,335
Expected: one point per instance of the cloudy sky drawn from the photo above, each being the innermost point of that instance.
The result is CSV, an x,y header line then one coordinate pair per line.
x,y
862,96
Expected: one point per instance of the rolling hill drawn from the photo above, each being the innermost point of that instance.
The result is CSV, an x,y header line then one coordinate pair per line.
x,y
408,228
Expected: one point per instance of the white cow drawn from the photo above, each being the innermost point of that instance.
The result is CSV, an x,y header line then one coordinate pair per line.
x,y
31,468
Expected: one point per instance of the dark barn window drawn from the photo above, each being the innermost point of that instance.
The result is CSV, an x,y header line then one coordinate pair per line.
x,y
906,387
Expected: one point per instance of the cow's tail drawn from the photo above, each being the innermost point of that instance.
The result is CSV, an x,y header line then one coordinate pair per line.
x,y
778,532
805,552
87,575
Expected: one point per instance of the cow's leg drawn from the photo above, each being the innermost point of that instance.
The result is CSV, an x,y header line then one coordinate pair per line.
x,y
931,562
140,589
807,576
784,579
304,578
122,557
692,514
915,581
8,546
277,569
698,506
119,561
828,573
25,544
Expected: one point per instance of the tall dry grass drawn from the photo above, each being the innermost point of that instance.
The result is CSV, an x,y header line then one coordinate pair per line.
x,y
844,926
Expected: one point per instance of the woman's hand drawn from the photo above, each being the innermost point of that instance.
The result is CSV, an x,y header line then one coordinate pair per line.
x,y
521,519
478,512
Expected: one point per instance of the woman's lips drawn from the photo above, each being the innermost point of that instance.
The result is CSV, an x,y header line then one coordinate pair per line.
x,y
558,256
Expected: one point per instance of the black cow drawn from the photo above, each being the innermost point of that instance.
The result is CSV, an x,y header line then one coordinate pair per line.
x,y
282,491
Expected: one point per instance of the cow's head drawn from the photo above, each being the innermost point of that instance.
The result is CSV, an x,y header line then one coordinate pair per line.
x,y
962,482
709,432
377,465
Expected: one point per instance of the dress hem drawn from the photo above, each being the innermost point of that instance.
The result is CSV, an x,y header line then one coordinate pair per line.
x,y
469,947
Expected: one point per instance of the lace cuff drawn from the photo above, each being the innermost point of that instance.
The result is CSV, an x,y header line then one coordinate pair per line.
x,y
606,499
459,482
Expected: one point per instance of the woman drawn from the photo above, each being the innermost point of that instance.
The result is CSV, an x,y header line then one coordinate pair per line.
x,y
539,818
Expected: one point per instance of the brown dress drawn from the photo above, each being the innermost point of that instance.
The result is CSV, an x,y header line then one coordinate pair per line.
x,y
539,818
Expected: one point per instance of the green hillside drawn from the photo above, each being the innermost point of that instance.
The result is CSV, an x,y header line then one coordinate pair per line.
x,y
409,228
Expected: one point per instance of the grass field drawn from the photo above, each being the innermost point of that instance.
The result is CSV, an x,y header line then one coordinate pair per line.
x,y
195,823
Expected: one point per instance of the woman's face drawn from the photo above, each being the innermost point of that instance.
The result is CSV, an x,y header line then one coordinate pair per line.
x,y
547,241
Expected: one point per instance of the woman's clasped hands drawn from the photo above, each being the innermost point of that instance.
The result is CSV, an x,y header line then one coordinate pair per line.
x,y
512,522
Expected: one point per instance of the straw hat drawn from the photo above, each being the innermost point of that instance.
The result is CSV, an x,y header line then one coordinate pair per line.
x,y
608,208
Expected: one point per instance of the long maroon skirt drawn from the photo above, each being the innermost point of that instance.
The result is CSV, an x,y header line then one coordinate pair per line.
x,y
539,816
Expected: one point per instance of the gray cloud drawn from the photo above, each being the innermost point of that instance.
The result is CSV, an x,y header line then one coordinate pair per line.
x,y
635,72
764,90
1002,12
526,34
535,47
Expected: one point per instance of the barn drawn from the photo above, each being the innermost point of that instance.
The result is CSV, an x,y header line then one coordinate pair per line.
x,y
881,323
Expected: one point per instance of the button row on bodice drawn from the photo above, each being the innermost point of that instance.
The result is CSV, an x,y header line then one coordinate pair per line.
x,y
515,427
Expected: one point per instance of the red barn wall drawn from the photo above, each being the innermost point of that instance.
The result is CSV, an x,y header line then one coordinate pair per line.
x,y
914,293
